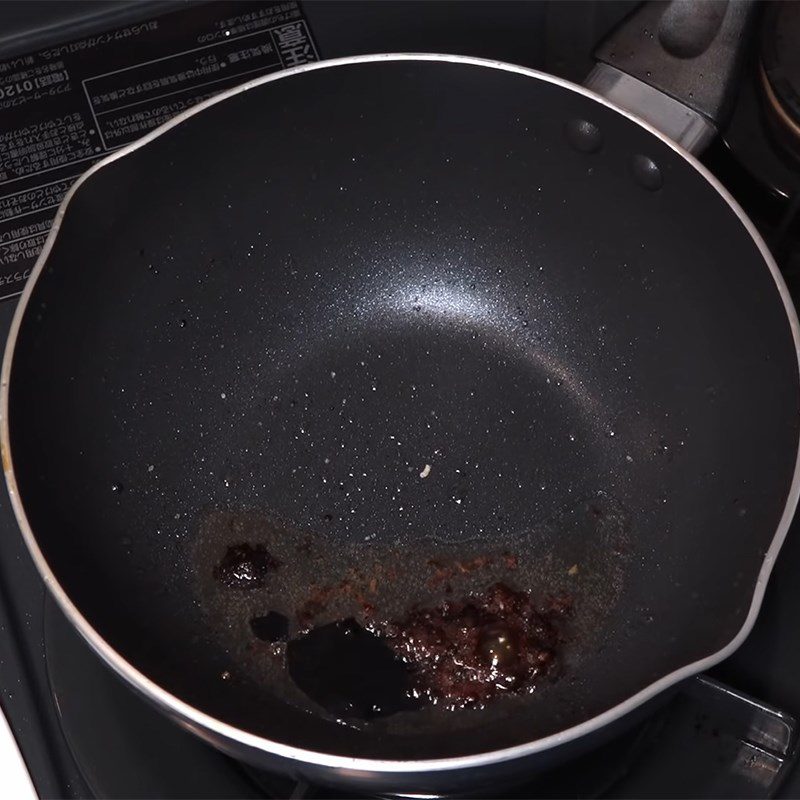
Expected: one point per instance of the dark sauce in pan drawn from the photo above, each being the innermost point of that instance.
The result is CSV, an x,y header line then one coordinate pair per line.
x,y
368,630
351,672
271,627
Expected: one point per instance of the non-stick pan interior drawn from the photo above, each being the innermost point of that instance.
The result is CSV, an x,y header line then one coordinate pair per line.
x,y
288,305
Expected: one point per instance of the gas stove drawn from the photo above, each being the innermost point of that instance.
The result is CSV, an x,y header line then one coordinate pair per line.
x,y
104,73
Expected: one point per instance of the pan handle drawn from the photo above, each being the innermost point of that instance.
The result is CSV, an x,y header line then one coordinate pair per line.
x,y
675,63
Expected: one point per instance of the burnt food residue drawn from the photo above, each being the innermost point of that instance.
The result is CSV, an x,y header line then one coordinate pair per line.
x,y
464,653
245,566
365,631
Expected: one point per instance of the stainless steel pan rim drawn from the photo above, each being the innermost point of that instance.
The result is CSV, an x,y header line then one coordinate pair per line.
x,y
201,722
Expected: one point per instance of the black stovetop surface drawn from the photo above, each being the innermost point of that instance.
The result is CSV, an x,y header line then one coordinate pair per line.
x,y
84,734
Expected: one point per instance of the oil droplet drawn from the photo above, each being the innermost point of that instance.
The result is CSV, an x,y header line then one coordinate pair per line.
x,y
646,173
583,136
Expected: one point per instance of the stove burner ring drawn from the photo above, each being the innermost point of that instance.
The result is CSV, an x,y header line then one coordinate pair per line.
x,y
779,73
782,115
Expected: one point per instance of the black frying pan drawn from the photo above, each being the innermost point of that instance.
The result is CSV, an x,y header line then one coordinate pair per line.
x,y
263,324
